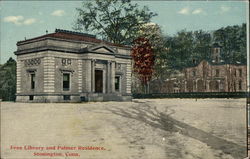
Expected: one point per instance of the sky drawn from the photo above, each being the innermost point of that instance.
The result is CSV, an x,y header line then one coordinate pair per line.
x,y
29,19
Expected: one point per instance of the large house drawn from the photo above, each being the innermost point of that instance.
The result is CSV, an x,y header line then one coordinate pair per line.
x,y
208,76
216,75
68,66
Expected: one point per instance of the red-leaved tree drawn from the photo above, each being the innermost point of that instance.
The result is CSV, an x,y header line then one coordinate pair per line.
x,y
143,57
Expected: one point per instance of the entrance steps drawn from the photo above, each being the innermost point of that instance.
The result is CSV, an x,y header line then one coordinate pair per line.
x,y
99,97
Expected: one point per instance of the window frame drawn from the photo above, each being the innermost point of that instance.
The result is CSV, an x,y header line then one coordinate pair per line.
x,y
66,97
119,84
69,82
240,85
217,72
32,81
194,73
240,72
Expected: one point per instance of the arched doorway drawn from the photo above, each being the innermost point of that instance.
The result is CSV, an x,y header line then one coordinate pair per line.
x,y
200,86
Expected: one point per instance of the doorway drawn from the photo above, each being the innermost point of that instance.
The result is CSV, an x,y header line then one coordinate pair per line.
x,y
98,81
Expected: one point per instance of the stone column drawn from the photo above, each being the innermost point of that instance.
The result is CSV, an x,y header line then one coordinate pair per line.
x,y
112,80
93,75
104,81
208,88
128,79
219,87
185,86
108,77
87,74
79,76
18,76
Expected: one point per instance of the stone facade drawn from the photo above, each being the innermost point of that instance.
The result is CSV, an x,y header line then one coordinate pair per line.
x,y
72,67
213,77
205,77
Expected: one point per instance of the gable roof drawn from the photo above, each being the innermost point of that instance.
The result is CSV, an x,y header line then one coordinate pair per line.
x,y
101,48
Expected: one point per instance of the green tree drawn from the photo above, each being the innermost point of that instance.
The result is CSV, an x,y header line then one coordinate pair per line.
x,y
202,45
117,21
179,49
188,48
233,42
8,80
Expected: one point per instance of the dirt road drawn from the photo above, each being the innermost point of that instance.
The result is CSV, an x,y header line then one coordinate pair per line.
x,y
142,129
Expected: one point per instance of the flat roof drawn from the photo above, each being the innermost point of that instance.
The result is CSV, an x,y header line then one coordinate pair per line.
x,y
71,35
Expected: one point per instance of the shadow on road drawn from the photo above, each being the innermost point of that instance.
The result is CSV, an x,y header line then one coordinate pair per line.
x,y
151,116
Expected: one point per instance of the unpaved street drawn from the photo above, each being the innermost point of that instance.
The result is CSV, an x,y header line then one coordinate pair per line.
x,y
142,129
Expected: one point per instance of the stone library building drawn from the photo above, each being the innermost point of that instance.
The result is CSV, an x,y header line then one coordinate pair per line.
x,y
68,66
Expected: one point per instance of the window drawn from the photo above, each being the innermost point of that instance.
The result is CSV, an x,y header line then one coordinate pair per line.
x,y
66,81
83,99
235,74
31,97
215,50
217,85
216,59
194,61
240,72
240,85
217,72
117,83
32,79
194,73
66,97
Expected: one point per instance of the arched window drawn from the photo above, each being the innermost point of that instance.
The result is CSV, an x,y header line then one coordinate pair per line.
x,y
240,85
217,72
217,85
235,86
194,73
216,59
240,72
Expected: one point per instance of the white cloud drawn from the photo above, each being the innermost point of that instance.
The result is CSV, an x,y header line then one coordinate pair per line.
x,y
197,11
58,13
19,20
29,21
14,19
184,11
224,9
